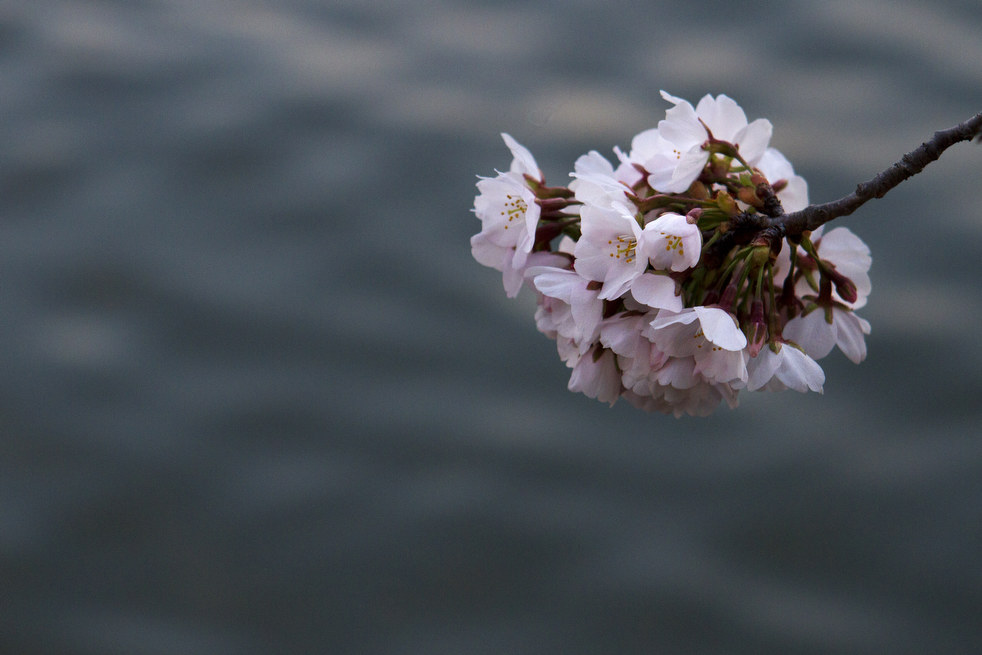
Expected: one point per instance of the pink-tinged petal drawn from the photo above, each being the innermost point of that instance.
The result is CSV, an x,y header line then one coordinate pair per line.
x,y
678,372
658,291
723,366
720,328
597,378
555,283
586,309
674,334
490,254
753,139
548,259
622,334
849,335
513,279
523,162
812,332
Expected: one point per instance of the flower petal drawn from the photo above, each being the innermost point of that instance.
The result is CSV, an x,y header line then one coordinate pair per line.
x,y
812,332
849,335
799,371
753,139
523,162
658,291
721,328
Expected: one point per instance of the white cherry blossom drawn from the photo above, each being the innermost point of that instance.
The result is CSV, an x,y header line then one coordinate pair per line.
x,y
817,335
579,311
607,251
502,258
595,182
595,375
620,291
685,129
507,208
776,167
672,242
653,152
708,334
784,366
850,256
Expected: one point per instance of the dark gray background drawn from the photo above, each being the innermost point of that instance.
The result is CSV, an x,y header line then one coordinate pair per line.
x,y
257,398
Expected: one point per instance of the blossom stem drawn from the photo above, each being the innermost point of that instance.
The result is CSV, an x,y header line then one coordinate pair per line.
x,y
912,163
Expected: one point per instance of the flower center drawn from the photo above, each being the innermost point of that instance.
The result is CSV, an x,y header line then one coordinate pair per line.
x,y
514,208
673,243
624,246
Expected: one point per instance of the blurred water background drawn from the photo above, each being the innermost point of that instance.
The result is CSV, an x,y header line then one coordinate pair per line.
x,y
258,398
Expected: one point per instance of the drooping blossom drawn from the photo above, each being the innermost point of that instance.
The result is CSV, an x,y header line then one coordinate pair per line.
x,y
657,279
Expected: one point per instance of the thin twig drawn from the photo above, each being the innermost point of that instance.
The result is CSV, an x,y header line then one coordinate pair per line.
x,y
913,162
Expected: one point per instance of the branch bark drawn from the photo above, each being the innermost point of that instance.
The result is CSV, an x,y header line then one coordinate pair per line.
x,y
912,163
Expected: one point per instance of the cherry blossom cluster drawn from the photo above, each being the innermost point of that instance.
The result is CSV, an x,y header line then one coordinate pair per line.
x,y
666,279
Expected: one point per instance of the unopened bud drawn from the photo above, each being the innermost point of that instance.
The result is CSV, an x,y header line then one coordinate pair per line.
x,y
730,292
761,254
758,327
748,195
698,191
843,286
546,232
692,218
726,203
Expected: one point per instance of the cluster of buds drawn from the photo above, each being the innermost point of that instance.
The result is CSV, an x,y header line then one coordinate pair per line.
x,y
669,280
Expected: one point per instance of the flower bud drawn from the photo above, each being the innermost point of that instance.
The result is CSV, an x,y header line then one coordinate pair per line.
x,y
761,254
845,287
698,191
726,203
546,232
758,327
748,195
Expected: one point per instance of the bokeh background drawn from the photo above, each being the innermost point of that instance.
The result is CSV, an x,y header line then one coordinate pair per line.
x,y
256,397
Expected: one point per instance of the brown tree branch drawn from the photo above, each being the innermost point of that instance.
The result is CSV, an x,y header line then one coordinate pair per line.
x,y
913,162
